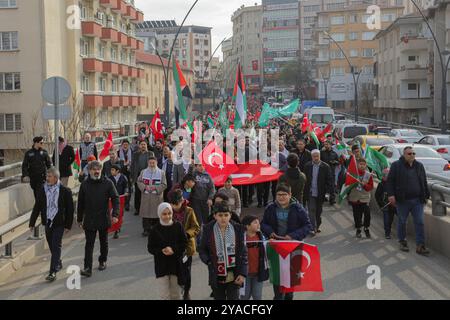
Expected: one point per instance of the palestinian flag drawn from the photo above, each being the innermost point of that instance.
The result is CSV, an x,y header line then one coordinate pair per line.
x,y
183,94
239,95
211,122
376,161
314,131
76,165
294,266
351,179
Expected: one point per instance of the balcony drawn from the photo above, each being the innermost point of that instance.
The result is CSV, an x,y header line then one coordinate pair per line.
x,y
124,70
111,67
132,43
139,17
111,34
141,73
140,45
91,29
412,72
123,38
108,3
133,72
142,101
413,44
92,65
131,12
119,6
93,100
124,101
111,101
418,103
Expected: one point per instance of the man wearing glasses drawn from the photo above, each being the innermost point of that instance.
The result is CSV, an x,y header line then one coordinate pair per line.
x,y
407,190
285,219
35,165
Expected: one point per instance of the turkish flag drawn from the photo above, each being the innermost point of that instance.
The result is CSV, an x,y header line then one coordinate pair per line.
x,y
117,225
217,163
156,127
305,264
305,124
321,135
108,145
249,173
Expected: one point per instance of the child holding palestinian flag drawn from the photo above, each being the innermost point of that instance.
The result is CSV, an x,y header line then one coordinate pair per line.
x,y
359,197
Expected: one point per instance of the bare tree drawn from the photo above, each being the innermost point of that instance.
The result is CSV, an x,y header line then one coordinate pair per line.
x,y
72,128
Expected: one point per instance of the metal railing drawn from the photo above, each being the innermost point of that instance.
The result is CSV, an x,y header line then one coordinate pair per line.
x,y
439,187
7,181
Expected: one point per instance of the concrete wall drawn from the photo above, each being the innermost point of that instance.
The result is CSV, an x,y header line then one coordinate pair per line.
x,y
15,200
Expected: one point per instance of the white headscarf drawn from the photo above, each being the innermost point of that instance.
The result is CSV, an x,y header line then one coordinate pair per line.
x,y
163,206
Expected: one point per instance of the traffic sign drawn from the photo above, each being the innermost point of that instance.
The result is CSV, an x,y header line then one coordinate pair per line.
x,y
56,90
64,112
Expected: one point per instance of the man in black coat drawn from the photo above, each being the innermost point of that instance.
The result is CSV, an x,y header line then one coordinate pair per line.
x,y
66,158
113,160
35,164
93,214
407,189
331,158
57,216
318,184
304,155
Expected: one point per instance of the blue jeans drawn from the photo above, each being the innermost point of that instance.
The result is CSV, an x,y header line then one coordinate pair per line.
x,y
388,218
415,206
253,288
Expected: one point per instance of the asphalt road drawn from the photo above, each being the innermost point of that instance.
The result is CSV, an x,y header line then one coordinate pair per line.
x,y
344,260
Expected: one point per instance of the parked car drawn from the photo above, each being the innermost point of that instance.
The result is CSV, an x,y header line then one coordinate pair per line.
x,y
348,131
382,130
338,117
439,142
432,161
406,135
374,141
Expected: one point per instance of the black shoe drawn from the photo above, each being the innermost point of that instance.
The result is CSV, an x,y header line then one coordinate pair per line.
x,y
387,236
318,231
332,202
367,232
116,235
259,205
59,266
265,204
51,277
245,205
422,250
102,266
358,233
186,296
212,294
145,234
136,213
87,272
404,246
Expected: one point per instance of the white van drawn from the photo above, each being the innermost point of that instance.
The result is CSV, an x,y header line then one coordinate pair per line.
x,y
348,131
320,115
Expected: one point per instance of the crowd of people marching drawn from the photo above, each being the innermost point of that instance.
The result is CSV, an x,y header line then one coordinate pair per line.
x,y
184,214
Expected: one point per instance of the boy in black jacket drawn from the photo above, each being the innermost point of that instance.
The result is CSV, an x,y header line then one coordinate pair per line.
x,y
389,211
120,181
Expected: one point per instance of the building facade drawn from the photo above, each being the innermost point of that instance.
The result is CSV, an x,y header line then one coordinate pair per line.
x,y
403,74
91,44
247,45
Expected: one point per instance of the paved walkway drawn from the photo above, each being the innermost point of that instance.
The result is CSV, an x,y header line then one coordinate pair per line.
x,y
345,259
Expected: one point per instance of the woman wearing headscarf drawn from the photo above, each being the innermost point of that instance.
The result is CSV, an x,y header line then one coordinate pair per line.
x,y
222,248
167,242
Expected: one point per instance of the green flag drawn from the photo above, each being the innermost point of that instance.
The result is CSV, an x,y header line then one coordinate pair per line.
x,y
223,118
288,110
269,113
376,161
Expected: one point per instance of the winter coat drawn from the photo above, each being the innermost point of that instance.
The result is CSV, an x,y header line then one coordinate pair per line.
x,y
121,185
297,180
325,181
191,227
204,187
263,270
151,201
35,164
66,158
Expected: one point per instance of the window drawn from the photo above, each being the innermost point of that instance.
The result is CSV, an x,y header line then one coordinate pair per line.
x,y
353,18
206,53
310,19
336,54
307,30
9,81
183,53
101,50
337,20
311,8
184,63
84,47
10,122
124,86
84,83
206,42
412,86
308,42
368,35
197,42
365,18
353,36
367,70
8,4
197,52
113,54
412,58
338,37
184,41
114,85
388,17
337,71
102,84
104,115
368,53
8,41
124,116
354,53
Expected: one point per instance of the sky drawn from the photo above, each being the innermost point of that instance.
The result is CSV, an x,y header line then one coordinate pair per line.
x,y
207,13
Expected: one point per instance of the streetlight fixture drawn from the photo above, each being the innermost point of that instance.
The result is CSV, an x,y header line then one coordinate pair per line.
x,y
353,71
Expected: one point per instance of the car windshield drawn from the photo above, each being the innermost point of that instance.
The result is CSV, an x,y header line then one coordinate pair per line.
x,y
351,132
411,133
379,141
444,140
322,118
423,153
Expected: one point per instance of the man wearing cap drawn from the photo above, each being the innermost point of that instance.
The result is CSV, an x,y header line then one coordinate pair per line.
x,y
332,159
35,164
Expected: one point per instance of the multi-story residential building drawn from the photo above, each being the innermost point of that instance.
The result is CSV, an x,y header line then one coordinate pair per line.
x,y
247,45
93,47
308,20
229,66
152,85
280,40
192,48
402,78
349,24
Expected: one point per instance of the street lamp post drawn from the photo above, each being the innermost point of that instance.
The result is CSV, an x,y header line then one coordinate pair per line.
x,y
352,69
444,68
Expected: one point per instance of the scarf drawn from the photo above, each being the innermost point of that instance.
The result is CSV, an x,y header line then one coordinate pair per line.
x,y
363,176
225,249
52,194
180,214
163,206
122,155
61,147
152,176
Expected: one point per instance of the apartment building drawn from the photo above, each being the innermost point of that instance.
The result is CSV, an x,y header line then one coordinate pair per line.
x,y
229,64
92,44
247,45
403,74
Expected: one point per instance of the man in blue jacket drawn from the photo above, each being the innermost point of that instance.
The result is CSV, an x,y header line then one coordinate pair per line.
x,y
285,219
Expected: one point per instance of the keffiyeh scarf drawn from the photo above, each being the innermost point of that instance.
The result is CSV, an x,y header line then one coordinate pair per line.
x,y
225,249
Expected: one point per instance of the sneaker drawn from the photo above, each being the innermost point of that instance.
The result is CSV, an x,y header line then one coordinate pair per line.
x,y
51,277
116,235
367,232
404,246
387,236
102,266
312,234
358,233
87,272
59,266
422,250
